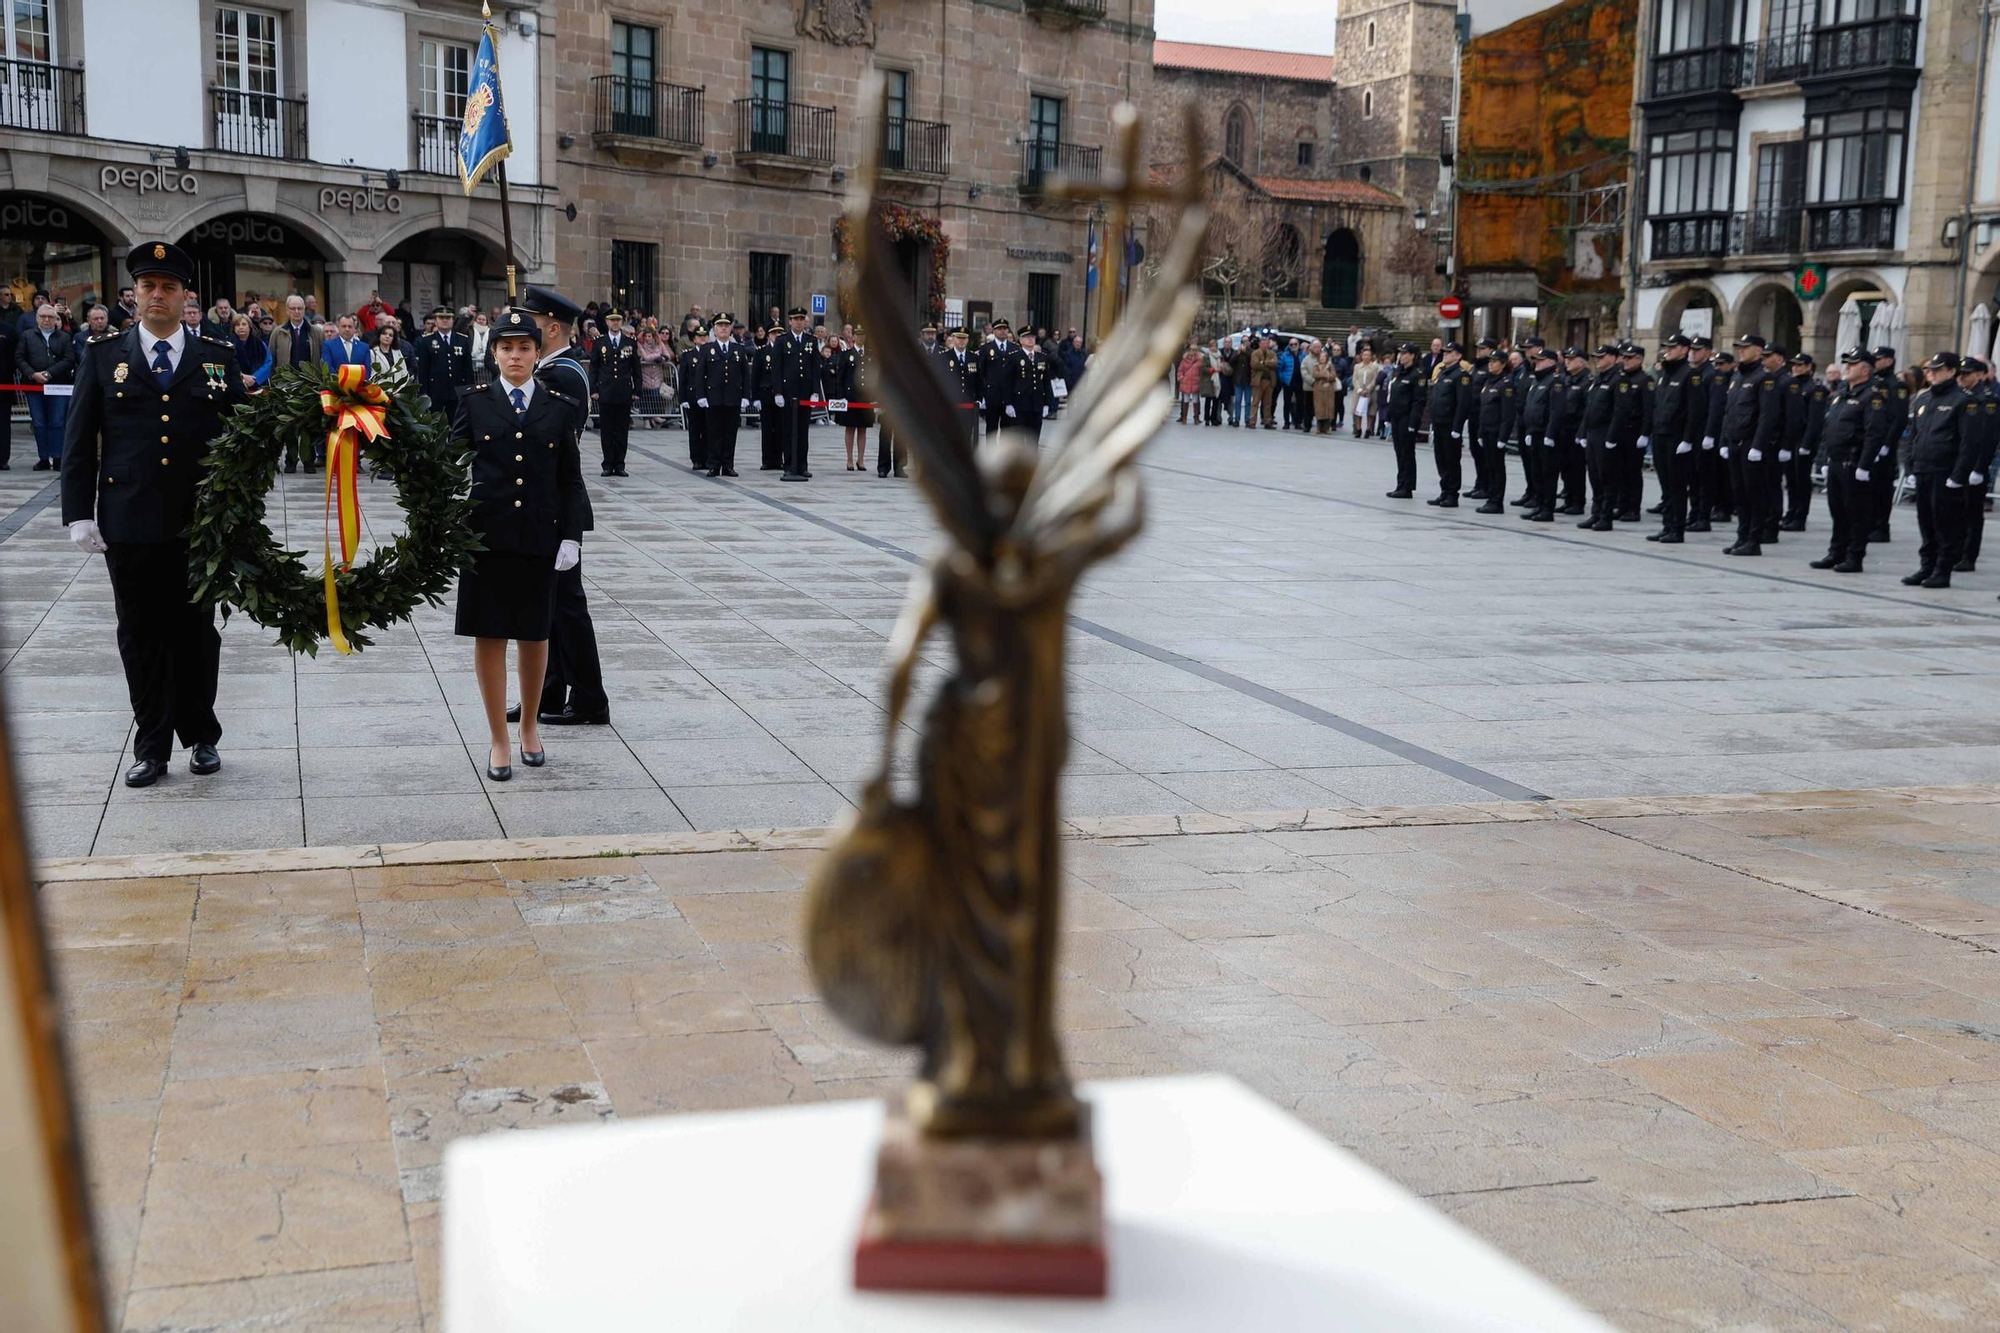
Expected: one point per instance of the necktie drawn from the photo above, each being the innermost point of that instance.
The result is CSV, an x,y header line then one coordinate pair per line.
x,y
163,364
520,401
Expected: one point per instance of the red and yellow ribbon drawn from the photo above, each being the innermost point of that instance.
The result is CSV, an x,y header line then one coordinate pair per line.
x,y
358,409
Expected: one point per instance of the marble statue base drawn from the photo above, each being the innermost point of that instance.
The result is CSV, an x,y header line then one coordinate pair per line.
x,y
995,1216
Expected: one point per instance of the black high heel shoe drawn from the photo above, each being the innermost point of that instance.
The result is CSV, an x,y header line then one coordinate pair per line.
x,y
501,774
534,758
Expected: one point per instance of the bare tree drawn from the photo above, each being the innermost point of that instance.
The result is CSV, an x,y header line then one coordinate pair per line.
x,y
1413,259
1248,249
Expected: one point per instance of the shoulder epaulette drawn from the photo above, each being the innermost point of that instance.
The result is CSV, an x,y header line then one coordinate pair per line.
x,y
96,338
213,341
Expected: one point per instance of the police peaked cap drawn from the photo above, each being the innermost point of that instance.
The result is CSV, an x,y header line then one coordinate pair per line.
x,y
518,324
1774,349
542,301
1750,340
161,257
1972,365
1856,356
1572,353
1677,340
1607,349
1802,358
441,310
1942,361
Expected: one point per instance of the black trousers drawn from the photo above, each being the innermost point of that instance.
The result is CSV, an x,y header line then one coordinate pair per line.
x,y
771,435
1798,487
696,420
1539,458
1940,522
1975,520
169,646
995,415
1882,482
1490,458
1700,477
1475,447
1851,504
1444,449
7,428
1673,470
574,676
721,423
614,427
1751,484
1631,477
1598,463
1572,460
1405,444
798,428
888,449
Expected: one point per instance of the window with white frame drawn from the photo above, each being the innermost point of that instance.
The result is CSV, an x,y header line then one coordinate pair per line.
x,y
444,78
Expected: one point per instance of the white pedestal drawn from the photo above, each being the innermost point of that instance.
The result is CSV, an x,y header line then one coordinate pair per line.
x,y
1224,1214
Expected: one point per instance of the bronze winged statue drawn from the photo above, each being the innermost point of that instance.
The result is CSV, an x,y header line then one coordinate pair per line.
x,y
933,921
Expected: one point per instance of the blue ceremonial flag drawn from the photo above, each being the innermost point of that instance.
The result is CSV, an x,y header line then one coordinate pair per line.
x,y
483,140
1090,245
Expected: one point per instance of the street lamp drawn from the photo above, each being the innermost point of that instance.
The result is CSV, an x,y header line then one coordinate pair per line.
x,y
1420,219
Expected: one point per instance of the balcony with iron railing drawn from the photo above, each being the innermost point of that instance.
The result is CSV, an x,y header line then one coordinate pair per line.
x,y
1689,236
1776,230
1871,44
259,124
1041,162
35,95
646,114
1075,11
783,133
436,149
1705,70
916,148
1779,59
1860,225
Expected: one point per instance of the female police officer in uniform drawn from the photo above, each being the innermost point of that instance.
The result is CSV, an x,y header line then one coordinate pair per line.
x,y
527,507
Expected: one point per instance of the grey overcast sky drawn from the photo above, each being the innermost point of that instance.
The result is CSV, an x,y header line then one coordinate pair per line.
x,y
1274,25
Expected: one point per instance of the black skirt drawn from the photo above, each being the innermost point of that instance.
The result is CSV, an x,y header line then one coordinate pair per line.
x,y
859,417
506,595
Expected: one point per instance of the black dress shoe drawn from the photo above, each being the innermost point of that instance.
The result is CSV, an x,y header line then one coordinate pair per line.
x,y
1540,516
1398,495
791,476
1792,525
1880,534
1589,522
1657,509
1751,549
145,773
1964,567
729,472
1572,510
1447,502
1668,538
713,472
1941,579
1438,500
621,472
569,717
1601,525
1824,562
1627,516
1491,507
1917,579
41,465
1702,526
504,773
513,712
204,760
534,758
1656,536
292,466
1848,566
1476,493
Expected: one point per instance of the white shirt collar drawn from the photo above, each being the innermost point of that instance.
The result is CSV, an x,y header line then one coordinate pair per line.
x,y
527,390
176,344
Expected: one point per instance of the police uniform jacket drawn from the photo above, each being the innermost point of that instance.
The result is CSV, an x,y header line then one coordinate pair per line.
x,y
726,373
1539,407
527,482
1898,397
614,370
850,375
764,371
134,449
1857,427
1750,410
689,381
1450,400
444,366
562,374
1677,405
960,375
1498,408
1028,384
797,366
1631,407
1404,387
1599,405
1811,392
992,361
1706,390
1984,411
1940,439
1576,394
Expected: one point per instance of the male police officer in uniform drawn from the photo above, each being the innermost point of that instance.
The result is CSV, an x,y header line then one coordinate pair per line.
x,y
1631,420
724,385
1704,424
147,404
1447,408
692,416
1541,417
993,361
798,374
1983,416
1943,445
443,363
764,388
963,379
1750,418
573,686
1856,430
614,375
1030,396
1805,418
1496,410
1402,390
1599,406
1679,410
1571,461
1882,472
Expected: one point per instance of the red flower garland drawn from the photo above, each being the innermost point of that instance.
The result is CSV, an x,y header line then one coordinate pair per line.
x,y
906,224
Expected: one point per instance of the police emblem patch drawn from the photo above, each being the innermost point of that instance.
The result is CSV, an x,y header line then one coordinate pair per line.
x,y
159,252
120,372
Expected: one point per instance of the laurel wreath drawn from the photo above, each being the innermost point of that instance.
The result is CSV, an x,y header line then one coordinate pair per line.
x,y
235,561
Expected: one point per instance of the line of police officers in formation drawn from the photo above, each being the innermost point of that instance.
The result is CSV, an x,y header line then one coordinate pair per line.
x,y
1732,437
1009,381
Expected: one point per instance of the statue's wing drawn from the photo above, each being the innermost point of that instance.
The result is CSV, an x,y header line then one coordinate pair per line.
x,y
907,382
1121,400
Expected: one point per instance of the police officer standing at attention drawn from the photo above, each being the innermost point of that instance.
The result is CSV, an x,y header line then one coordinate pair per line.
x,y
691,395
1704,424
1632,416
1447,409
444,362
798,373
1984,414
1856,430
725,388
994,364
573,685
1795,456
1678,414
1481,368
614,375
147,404
764,388
1882,472
1402,390
1570,454
1030,395
1541,418
1943,446
962,377
1750,419
1599,406
1496,410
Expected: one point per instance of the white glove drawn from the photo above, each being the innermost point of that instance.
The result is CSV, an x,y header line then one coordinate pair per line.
x,y
1784,455
1708,441
1610,443
746,405
1644,440
1454,435
982,404
1977,478
567,555
781,400
86,536
1951,485
1010,409
701,402
1861,474
1048,412
1684,447
1725,453
1755,455
1581,442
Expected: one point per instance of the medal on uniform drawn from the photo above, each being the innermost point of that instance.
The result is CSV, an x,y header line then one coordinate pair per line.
x,y
119,372
215,375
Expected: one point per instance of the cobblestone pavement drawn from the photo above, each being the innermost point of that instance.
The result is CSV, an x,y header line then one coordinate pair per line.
x,y
1704,1062
1282,636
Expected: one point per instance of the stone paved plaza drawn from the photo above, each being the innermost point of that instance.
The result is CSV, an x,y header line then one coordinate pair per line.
x,y
1705,1063
1281,637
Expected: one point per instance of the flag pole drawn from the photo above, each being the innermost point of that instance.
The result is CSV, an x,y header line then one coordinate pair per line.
x,y
506,231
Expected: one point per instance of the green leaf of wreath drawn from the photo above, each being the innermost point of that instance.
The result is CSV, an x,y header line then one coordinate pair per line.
x,y
240,563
